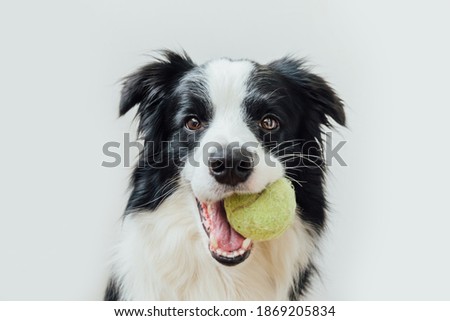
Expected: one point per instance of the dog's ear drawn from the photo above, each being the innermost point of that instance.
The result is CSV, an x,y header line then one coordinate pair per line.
x,y
151,83
315,89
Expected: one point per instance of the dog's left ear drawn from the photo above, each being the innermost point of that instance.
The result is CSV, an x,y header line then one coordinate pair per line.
x,y
153,82
151,87
315,89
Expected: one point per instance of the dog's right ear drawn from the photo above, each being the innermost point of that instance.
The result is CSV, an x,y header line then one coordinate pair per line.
x,y
324,101
151,83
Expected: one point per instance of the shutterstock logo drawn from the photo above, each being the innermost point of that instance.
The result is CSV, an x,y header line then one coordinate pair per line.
x,y
177,152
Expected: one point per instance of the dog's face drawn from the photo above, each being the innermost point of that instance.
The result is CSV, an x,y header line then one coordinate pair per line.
x,y
228,127
231,124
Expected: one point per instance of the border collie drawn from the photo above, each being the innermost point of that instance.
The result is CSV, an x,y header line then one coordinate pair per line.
x,y
227,126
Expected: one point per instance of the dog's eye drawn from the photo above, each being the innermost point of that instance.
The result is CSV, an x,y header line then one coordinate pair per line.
x,y
269,123
193,123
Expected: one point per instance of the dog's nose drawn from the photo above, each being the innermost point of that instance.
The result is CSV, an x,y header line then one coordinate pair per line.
x,y
231,167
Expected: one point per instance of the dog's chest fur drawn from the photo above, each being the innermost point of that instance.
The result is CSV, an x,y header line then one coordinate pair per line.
x,y
162,256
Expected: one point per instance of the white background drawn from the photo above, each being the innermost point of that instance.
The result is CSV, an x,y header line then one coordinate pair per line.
x,y
60,67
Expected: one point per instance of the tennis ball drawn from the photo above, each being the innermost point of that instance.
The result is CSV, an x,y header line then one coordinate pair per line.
x,y
263,216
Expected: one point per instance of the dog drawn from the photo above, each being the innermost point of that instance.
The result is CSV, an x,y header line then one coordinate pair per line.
x,y
176,242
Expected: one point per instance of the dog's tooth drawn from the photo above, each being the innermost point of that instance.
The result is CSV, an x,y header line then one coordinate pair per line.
x,y
235,253
241,251
213,242
219,251
246,243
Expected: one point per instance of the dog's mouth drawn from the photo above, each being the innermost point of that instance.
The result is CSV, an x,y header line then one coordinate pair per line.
x,y
225,244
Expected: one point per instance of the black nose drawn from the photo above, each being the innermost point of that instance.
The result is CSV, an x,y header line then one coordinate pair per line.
x,y
231,166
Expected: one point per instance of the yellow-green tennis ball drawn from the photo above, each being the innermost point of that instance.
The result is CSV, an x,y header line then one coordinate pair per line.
x,y
263,216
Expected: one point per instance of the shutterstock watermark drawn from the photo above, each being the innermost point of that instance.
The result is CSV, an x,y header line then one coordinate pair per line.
x,y
178,152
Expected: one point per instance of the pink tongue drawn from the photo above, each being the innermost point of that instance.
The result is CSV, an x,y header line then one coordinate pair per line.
x,y
227,238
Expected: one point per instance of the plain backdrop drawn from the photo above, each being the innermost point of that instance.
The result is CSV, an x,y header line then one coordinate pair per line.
x,y
60,69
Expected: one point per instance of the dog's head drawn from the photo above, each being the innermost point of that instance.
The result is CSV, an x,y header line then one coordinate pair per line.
x,y
229,126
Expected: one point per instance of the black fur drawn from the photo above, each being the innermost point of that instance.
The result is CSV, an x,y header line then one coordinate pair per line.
x,y
302,102
112,292
302,283
152,87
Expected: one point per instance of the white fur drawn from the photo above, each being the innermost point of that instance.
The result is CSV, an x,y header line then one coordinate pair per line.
x,y
164,256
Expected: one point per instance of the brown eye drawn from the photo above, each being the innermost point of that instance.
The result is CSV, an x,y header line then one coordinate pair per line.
x,y
269,123
193,124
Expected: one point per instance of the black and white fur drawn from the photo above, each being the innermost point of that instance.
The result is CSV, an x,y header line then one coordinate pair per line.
x,y
164,252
